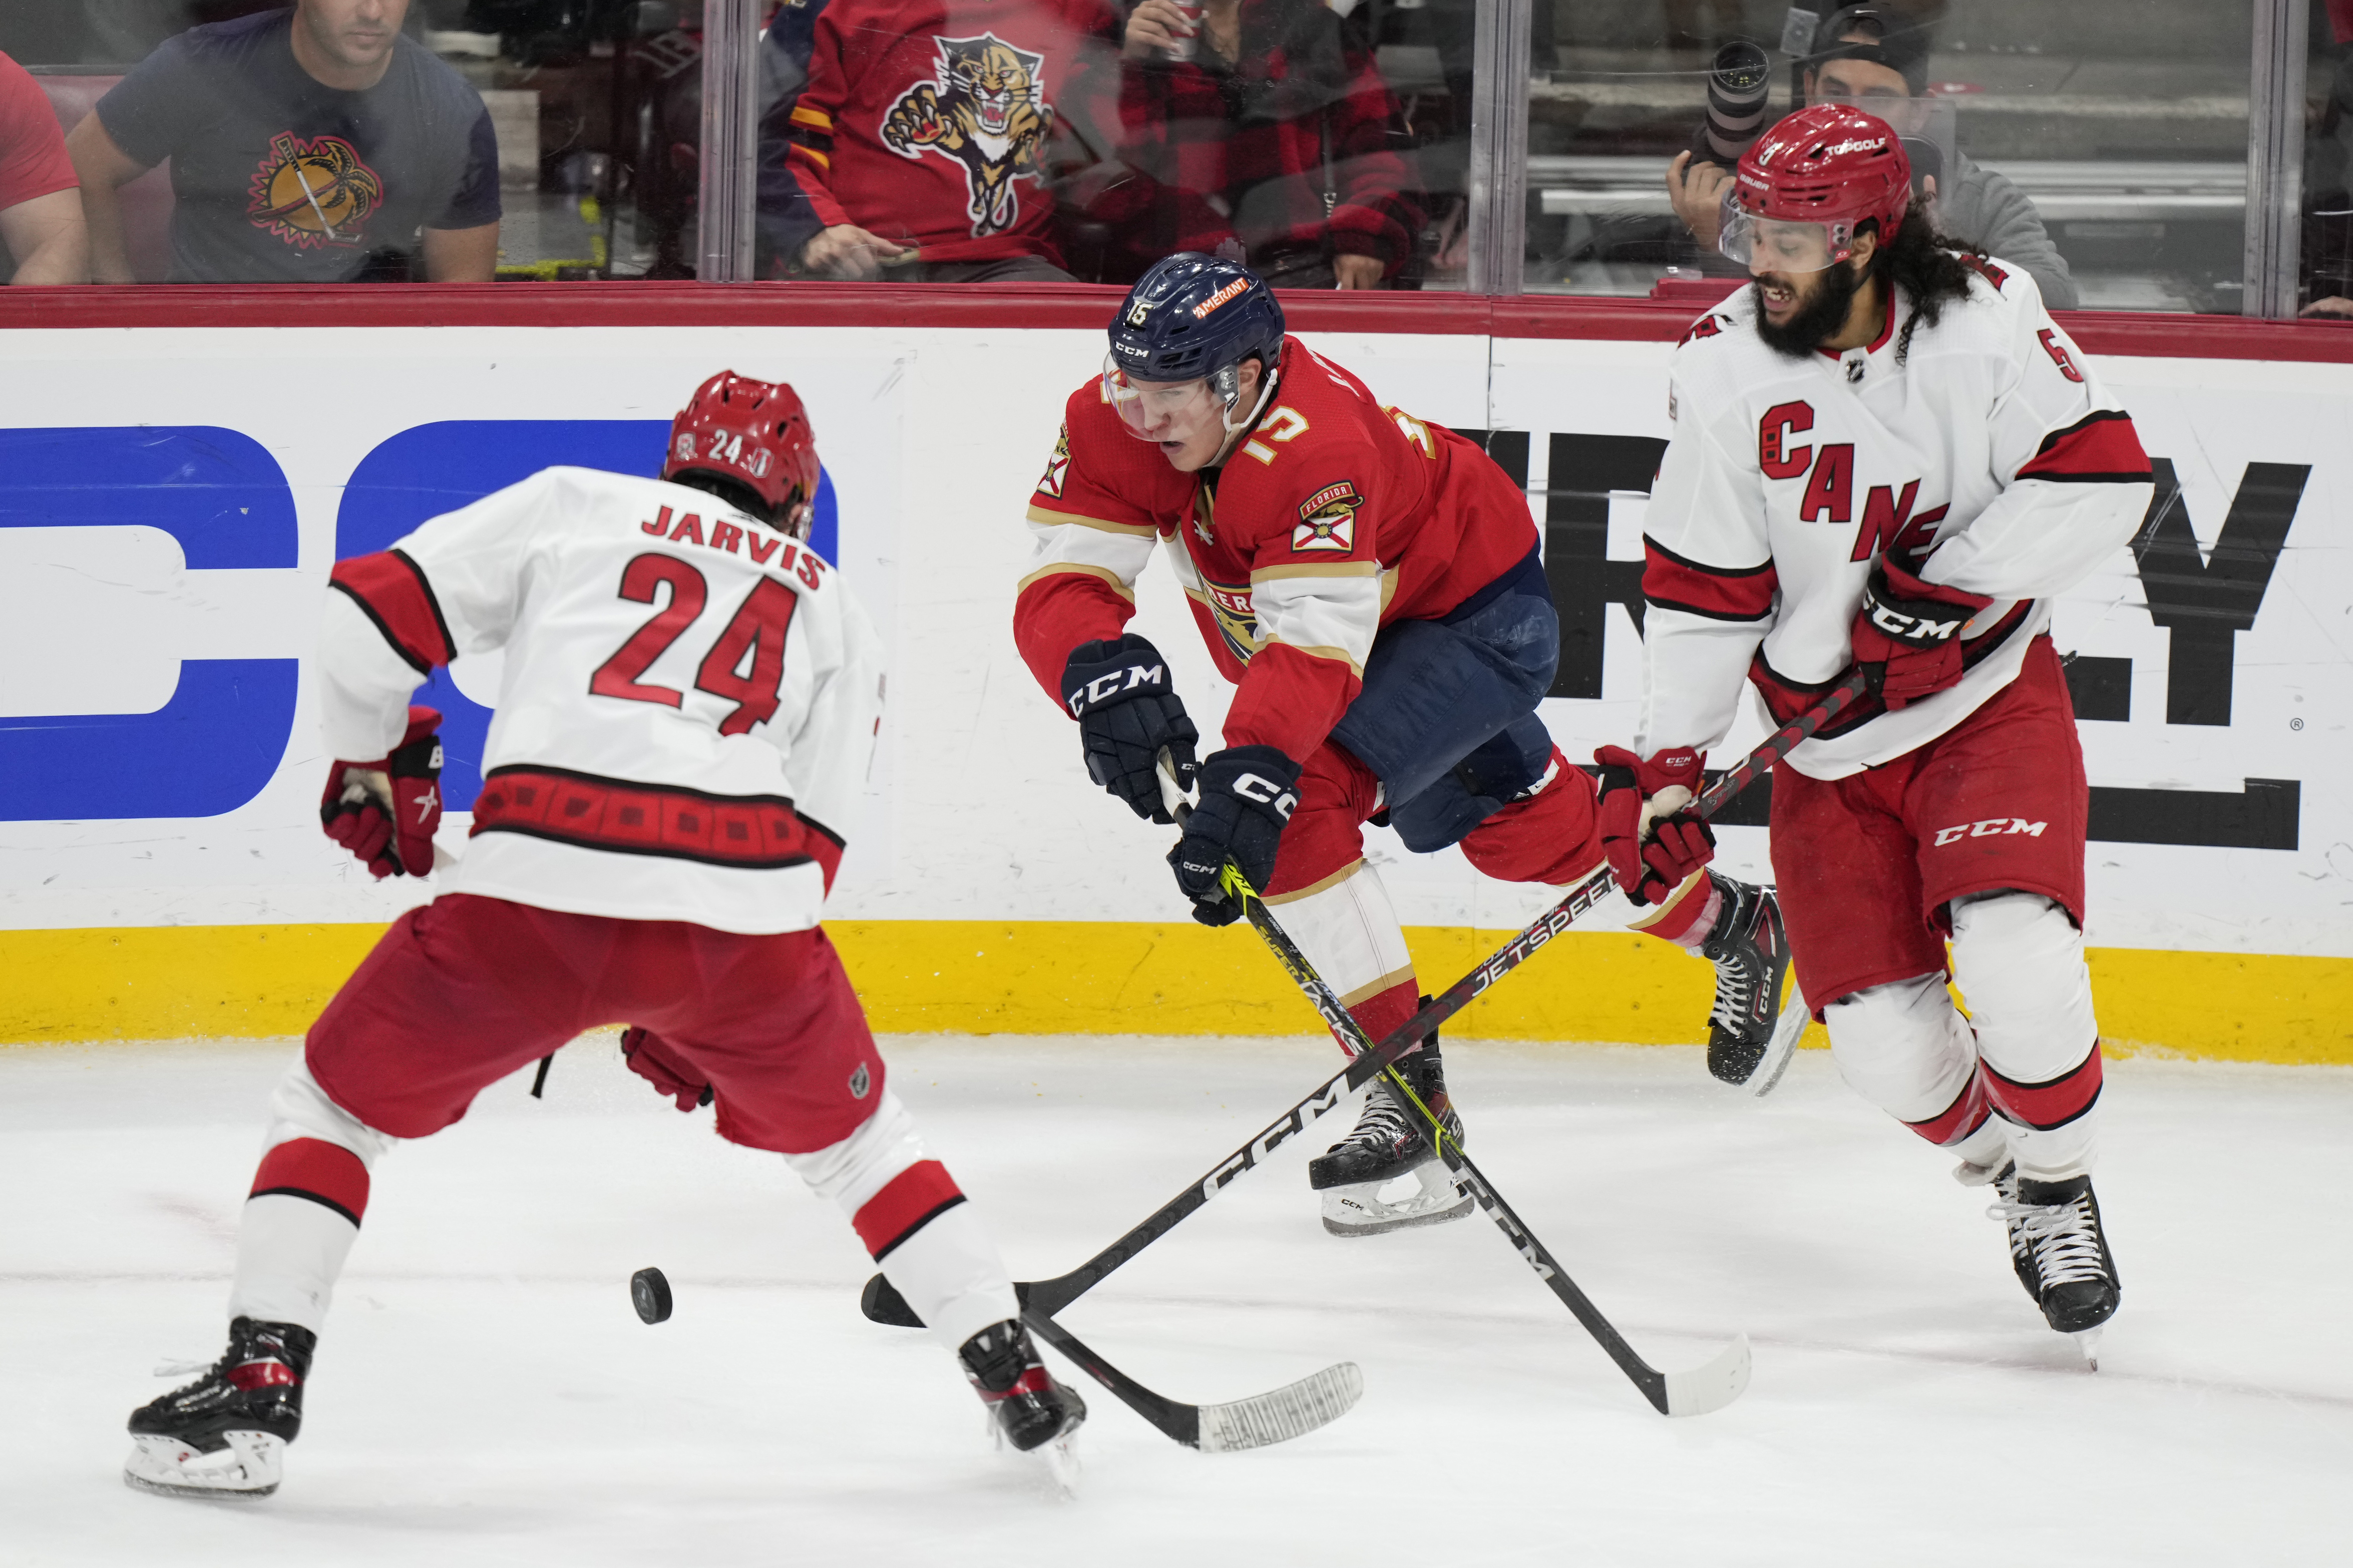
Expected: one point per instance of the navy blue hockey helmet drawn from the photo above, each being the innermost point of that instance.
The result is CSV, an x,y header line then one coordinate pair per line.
x,y
1195,315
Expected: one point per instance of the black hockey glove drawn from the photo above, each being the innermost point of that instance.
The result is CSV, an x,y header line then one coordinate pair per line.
x,y
1128,713
1248,794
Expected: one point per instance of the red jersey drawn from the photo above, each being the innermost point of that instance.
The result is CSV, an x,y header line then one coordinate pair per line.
x,y
1335,516
33,161
927,121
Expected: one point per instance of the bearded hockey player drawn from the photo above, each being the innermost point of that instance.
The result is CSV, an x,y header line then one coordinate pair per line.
x,y
689,703
1373,587
1886,455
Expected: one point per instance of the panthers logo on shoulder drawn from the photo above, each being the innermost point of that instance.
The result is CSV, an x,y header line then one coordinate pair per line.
x,y
986,109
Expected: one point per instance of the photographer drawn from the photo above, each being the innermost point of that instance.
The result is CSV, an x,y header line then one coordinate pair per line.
x,y
1873,61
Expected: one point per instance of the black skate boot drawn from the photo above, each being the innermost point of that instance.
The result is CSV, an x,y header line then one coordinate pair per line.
x,y
1030,1408
1391,1140
2075,1275
2004,1183
1751,955
225,1435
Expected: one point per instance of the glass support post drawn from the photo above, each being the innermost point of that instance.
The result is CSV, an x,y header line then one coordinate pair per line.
x,y
1499,145
730,139
2276,157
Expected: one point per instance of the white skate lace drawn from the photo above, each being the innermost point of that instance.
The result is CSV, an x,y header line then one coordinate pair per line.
x,y
1383,1123
2066,1243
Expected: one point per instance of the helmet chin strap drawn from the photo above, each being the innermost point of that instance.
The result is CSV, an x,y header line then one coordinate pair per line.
x,y
1235,432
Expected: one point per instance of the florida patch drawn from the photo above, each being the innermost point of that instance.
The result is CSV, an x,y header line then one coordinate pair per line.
x,y
1057,466
1327,520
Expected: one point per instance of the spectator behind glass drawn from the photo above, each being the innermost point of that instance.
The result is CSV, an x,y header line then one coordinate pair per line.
x,y
1877,64
41,211
1273,137
2329,182
920,135
307,146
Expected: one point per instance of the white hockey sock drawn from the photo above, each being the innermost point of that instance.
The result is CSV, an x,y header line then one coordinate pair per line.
x,y
307,1201
2018,959
915,1223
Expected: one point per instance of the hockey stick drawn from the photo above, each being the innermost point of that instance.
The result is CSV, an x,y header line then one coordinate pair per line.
x,y
1252,1423
882,1304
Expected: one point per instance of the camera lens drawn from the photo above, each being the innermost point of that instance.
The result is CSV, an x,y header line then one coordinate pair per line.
x,y
1737,84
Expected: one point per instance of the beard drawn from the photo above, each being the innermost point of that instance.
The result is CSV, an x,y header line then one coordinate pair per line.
x,y
1819,318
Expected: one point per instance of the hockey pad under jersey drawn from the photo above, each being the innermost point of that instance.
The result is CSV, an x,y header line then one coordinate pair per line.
x,y
1334,517
1993,450
929,123
686,713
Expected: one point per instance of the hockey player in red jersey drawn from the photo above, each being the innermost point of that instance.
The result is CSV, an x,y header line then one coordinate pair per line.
x,y
1886,455
1372,584
688,702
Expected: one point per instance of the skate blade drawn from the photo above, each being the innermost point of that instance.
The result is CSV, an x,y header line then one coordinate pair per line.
x,y
250,1467
2088,1341
1361,1211
1059,1459
1782,1049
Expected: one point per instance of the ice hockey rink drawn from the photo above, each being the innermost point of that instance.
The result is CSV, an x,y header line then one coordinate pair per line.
x,y
484,1392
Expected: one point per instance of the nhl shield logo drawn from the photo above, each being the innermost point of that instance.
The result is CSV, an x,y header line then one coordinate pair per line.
x,y
860,1082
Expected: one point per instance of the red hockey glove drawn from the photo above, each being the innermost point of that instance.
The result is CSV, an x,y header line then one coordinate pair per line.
x,y
1652,837
647,1058
1907,635
385,812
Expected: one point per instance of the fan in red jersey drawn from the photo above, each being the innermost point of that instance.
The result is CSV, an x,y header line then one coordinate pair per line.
x,y
687,706
1372,585
1887,455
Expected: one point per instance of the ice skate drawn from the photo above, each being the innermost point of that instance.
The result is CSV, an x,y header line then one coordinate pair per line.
x,y
2058,1225
1390,1140
2003,1179
1027,1409
1751,955
225,1435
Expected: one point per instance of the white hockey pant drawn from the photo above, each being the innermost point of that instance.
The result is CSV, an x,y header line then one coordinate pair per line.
x,y
2024,1079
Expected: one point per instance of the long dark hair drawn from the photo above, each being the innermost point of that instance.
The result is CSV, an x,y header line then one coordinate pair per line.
x,y
1928,266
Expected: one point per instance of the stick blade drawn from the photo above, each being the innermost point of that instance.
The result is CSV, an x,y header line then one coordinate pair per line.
x,y
1783,1046
1713,1386
1281,1414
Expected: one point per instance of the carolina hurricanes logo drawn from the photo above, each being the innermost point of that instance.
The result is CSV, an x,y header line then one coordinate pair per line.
x,y
315,192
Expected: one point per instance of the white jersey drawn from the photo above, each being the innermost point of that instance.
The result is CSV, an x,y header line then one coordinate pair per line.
x,y
687,712
1993,450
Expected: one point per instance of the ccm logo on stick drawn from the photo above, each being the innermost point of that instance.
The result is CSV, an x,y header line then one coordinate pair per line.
x,y
1992,826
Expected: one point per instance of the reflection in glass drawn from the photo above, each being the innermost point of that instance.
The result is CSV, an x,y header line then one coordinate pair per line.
x,y
2099,147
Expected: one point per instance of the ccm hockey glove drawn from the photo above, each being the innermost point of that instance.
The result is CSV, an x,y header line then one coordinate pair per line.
x,y
385,812
1649,832
1907,635
1128,710
1248,794
647,1057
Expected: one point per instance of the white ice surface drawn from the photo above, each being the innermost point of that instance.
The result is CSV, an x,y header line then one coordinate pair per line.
x,y
484,1394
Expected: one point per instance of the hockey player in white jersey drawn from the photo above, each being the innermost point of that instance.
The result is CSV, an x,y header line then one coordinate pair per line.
x,y
1886,455
688,707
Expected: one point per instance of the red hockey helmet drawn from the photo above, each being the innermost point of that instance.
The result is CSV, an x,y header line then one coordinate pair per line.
x,y
755,433
1804,187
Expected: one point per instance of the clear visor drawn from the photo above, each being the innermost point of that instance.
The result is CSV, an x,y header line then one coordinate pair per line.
x,y
1162,410
1782,245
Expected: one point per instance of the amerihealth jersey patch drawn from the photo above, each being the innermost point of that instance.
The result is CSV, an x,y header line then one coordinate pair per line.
x,y
1327,520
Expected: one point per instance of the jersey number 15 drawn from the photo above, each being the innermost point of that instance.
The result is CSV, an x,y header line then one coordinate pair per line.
x,y
757,631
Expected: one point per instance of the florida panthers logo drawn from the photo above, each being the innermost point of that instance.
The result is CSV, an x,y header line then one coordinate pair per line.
x,y
988,111
313,192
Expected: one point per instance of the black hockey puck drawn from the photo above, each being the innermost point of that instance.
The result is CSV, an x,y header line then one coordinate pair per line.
x,y
649,1294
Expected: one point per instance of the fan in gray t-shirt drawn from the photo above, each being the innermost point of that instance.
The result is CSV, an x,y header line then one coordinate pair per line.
x,y
281,177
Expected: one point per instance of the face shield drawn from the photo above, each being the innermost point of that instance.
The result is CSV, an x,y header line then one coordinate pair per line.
x,y
1782,245
1162,410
